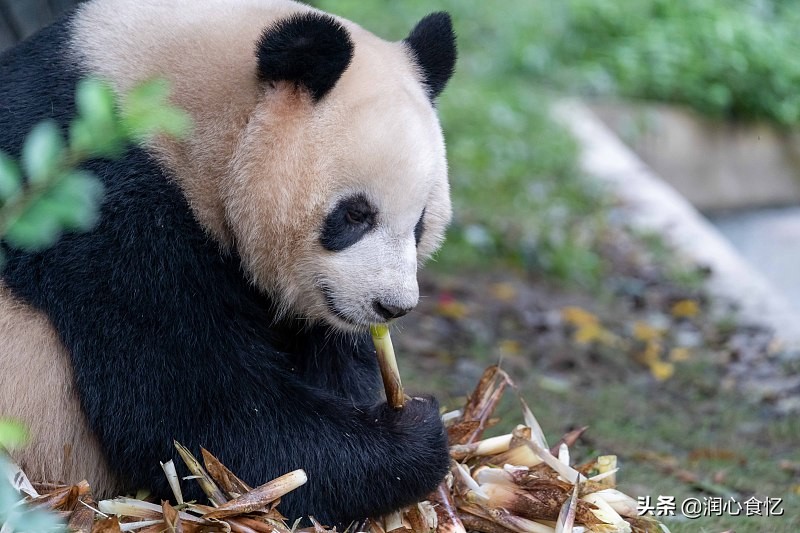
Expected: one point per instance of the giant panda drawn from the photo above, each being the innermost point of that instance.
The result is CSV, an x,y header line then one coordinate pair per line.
x,y
223,299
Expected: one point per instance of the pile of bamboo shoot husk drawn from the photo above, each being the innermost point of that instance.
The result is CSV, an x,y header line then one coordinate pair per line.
x,y
512,483
516,483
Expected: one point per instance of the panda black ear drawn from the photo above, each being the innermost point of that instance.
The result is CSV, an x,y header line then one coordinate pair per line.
x,y
433,44
310,49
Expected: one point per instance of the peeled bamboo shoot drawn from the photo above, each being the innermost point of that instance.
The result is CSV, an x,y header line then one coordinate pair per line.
x,y
388,364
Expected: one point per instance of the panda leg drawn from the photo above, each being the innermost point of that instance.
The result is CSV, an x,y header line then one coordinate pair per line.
x,y
37,388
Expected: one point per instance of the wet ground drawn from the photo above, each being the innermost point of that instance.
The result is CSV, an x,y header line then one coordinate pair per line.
x,y
770,240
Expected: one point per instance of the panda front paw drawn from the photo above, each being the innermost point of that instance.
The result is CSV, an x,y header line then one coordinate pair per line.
x,y
418,412
420,444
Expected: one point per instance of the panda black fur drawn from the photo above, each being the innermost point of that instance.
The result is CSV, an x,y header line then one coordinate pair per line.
x,y
170,325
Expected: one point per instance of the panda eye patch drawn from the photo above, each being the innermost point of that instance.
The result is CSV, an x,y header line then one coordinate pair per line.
x,y
351,219
419,228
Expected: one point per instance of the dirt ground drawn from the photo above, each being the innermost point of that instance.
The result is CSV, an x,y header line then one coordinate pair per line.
x,y
694,404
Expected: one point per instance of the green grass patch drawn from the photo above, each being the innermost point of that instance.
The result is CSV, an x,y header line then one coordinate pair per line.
x,y
728,58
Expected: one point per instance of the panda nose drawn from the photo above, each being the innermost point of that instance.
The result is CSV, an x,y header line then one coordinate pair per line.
x,y
389,311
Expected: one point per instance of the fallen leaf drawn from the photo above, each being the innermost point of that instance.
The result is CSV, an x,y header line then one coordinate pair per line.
x,y
510,347
678,355
451,308
171,519
685,309
661,370
577,316
643,331
503,291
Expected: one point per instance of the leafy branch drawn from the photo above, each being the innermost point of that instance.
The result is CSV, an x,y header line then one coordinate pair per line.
x,y
47,193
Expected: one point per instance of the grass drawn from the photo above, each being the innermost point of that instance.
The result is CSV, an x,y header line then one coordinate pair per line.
x,y
725,58
721,427
676,420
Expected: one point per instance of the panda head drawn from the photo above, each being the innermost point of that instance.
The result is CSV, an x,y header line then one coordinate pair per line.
x,y
338,185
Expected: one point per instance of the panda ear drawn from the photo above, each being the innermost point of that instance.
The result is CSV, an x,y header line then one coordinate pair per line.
x,y
433,44
309,49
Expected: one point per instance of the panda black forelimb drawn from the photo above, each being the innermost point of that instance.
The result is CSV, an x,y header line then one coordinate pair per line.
x,y
360,460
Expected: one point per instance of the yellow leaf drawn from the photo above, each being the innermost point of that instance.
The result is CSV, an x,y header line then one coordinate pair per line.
x,y
594,333
452,309
652,352
587,334
679,354
587,327
578,317
685,309
645,332
661,370
504,292
510,346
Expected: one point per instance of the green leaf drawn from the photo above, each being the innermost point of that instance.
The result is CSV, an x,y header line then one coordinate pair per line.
x,y
77,184
75,200
10,177
39,521
81,139
8,494
16,517
36,229
96,131
95,101
169,121
89,140
13,434
147,112
42,152
150,93
71,203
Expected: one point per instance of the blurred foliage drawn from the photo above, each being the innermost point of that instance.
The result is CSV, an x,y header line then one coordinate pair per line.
x,y
19,518
12,434
46,193
729,58
13,516
518,195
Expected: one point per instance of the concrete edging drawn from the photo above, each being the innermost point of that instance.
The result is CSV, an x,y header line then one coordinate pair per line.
x,y
716,164
656,206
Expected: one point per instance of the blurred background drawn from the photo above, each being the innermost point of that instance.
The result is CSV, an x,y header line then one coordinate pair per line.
x,y
602,324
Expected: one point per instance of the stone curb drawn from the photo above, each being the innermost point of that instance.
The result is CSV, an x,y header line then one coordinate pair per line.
x,y
656,206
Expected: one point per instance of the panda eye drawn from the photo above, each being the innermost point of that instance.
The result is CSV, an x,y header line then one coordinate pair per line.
x,y
351,219
355,217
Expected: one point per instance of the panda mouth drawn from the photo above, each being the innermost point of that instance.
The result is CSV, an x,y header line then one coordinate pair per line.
x,y
330,303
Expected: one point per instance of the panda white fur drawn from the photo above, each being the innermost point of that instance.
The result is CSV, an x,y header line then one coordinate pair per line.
x,y
224,296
